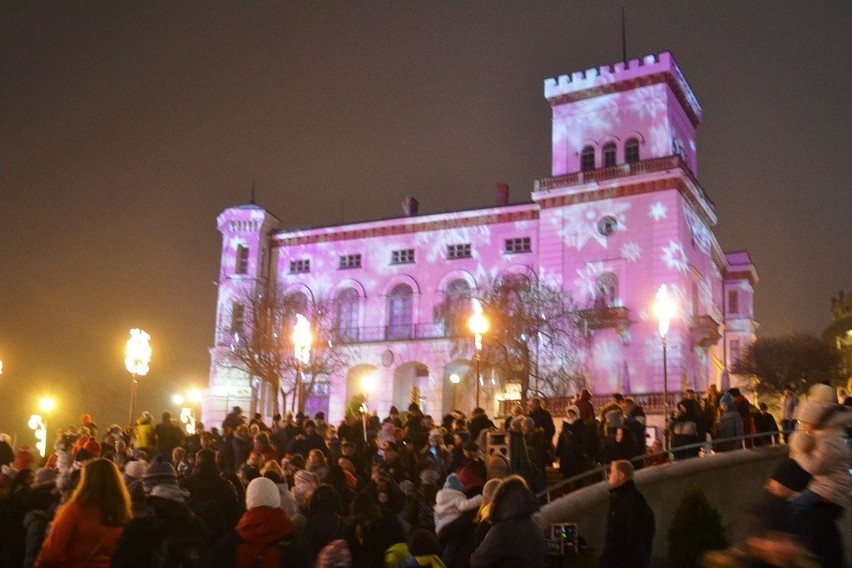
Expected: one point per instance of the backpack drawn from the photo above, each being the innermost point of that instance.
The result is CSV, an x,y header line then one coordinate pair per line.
x,y
179,550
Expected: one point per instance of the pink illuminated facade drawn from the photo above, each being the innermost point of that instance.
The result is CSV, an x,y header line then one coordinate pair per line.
x,y
621,214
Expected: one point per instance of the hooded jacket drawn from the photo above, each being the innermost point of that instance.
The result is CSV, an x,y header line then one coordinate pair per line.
x,y
450,503
514,539
824,454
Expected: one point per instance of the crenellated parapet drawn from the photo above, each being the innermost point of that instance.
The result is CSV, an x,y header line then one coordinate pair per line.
x,y
620,76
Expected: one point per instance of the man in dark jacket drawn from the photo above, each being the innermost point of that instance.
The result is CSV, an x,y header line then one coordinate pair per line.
x,y
211,497
514,539
630,522
479,421
544,420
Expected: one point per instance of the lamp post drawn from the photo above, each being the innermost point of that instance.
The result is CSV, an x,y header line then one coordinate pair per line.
x,y
368,384
39,426
137,360
664,310
478,324
302,340
455,380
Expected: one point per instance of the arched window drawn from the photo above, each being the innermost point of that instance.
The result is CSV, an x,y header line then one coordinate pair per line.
x,y
457,306
631,151
587,159
346,314
609,154
401,312
606,294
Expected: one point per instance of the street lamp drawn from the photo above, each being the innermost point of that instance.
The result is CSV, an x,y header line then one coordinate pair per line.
x,y
302,340
664,310
478,324
187,414
137,360
38,425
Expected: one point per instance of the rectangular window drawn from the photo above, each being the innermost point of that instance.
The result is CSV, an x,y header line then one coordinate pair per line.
x,y
521,244
242,259
300,266
733,302
238,312
458,251
404,256
350,261
735,351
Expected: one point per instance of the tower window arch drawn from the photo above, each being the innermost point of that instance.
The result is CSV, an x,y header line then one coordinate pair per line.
x,y
401,312
609,154
606,291
346,314
457,306
631,150
587,159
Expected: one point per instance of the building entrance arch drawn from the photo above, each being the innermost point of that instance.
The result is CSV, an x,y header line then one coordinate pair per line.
x,y
406,378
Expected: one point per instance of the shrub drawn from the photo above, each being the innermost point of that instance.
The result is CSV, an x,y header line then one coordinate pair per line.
x,y
696,527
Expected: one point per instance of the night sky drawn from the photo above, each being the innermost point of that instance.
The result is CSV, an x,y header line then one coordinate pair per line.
x,y
126,128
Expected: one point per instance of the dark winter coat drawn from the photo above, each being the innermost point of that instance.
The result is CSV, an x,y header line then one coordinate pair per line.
x,y
214,500
572,448
514,539
629,529
263,538
730,426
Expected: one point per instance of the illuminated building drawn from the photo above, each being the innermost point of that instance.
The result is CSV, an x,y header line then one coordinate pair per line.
x,y
621,213
839,333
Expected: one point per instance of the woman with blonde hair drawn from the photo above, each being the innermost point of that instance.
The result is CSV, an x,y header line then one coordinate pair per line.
x,y
87,528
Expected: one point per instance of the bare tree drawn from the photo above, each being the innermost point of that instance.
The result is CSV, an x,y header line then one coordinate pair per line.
x,y
799,360
262,344
535,331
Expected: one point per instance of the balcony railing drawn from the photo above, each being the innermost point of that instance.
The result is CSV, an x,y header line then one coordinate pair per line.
x,y
401,332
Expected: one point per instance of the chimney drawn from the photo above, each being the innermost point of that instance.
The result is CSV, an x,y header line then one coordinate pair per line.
x,y
410,206
502,194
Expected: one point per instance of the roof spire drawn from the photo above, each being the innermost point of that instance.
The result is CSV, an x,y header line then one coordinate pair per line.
x,y
253,181
623,38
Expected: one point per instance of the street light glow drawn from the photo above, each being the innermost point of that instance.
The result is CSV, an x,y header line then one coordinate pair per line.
x,y
302,339
368,383
455,379
138,353
664,309
46,404
478,323
193,396
177,399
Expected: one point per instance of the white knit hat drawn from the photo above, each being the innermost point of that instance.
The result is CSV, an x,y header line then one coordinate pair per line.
x,y
262,492
822,400
135,469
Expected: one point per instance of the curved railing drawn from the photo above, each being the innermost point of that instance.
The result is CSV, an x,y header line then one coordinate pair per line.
x,y
599,473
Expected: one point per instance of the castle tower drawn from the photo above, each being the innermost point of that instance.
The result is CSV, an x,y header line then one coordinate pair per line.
x,y
244,271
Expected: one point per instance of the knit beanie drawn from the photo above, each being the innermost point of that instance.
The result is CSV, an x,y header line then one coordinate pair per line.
x,y
453,482
262,492
135,469
159,472
305,477
334,555
822,400
727,399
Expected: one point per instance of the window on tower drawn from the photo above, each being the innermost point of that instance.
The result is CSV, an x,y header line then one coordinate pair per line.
x,y
733,302
587,159
631,151
609,154
242,259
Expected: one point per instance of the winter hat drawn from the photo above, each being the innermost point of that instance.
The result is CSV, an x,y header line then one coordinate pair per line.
x,y
135,469
727,399
305,476
24,458
159,472
91,449
45,477
422,542
791,475
262,492
821,401
429,476
453,482
335,555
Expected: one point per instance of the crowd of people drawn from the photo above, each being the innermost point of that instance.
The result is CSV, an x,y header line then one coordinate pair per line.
x,y
400,491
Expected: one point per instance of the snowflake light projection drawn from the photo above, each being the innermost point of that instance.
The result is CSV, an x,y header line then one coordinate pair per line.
x,y
657,211
653,350
588,120
631,251
700,234
586,281
435,243
675,257
647,101
659,139
608,357
579,223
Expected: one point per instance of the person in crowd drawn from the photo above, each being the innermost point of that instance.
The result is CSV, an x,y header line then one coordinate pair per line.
x,y
225,446
634,420
514,538
473,473
324,522
483,515
683,429
212,498
585,408
618,447
479,421
435,456
43,501
730,425
765,424
242,445
167,436
86,530
543,419
145,434
180,461
370,532
415,432
164,531
317,463
234,418
263,537
303,443
788,403
743,408
304,483
451,501
572,447
16,506
820,446
538,446
134,470
423,549
630,524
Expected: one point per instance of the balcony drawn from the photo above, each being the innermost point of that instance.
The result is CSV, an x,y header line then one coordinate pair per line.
x,y
606,318
705,331
381,333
